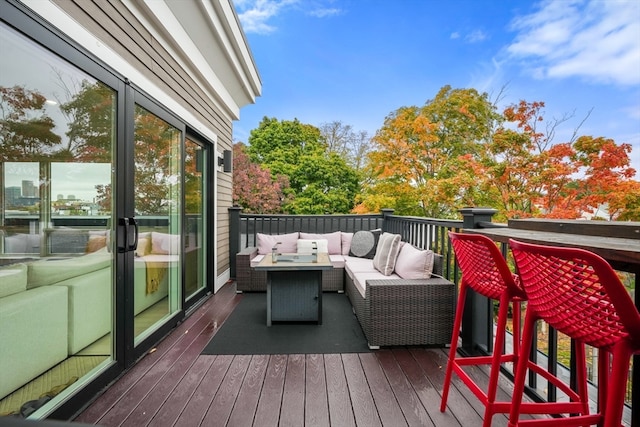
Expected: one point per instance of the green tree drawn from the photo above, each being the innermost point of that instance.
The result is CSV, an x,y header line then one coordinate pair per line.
x,y
320,181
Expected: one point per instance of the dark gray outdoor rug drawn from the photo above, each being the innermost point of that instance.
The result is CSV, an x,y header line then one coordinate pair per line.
x,y
245,331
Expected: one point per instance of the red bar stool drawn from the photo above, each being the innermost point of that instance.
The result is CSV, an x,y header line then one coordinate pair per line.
x,y
484,270
579,294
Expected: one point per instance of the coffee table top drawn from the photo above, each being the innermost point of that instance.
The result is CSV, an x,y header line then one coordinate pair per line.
x,y
295,262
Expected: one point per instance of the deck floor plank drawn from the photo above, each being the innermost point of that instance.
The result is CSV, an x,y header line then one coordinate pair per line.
x,y
197,407
292,410
316,401
268,413
412,408
244,410
220,409
423,388
386,403
364,409
182,393
340,410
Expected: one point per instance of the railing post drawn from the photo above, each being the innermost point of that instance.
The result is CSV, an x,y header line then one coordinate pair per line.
x,y
477,320
385,214
472,217
234,238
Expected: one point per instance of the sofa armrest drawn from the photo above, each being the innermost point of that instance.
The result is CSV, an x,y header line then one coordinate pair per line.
x,y
243,267
410,312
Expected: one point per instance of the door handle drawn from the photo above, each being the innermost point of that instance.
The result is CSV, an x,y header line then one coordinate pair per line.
x,y
127,241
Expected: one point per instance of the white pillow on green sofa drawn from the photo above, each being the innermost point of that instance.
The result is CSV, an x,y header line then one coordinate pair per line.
x,y
13,279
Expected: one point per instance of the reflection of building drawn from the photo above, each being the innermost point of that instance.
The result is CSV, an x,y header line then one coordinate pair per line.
x,y
28,189
16,197
12,194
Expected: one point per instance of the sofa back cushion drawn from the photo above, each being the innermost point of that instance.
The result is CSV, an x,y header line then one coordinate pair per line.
x,y
386,253
334,241
414,263
49,271
287,243
346,242
13,279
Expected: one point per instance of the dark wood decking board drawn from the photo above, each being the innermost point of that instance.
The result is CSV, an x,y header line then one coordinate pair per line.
x,y
176,386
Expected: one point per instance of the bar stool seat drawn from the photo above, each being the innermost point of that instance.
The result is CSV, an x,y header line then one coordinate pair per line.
x,y
578,293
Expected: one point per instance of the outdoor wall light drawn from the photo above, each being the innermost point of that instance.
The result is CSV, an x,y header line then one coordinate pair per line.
x,y
226,161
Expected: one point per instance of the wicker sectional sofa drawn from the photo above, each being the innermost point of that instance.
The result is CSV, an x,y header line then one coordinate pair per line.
x,y
392,310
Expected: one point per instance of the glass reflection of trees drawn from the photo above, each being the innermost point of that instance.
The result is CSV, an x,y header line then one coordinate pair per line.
x,y
157,160
27,131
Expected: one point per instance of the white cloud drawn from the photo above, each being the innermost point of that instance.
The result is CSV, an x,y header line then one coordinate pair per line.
x,y
595,39
254,14
455,35
475,36
324,12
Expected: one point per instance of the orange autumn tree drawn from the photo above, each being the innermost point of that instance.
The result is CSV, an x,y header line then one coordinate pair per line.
x,y
413,167
531,176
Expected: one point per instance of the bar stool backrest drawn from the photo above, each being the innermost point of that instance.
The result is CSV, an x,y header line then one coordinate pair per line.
x,y
483,267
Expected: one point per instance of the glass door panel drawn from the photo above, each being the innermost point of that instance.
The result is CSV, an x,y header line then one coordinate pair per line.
x,y
57,145
158,195
194,245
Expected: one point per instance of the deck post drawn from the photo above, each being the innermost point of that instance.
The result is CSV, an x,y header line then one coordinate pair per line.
x,y
234,238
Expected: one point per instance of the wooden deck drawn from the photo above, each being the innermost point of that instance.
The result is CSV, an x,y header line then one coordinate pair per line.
x,y
176,386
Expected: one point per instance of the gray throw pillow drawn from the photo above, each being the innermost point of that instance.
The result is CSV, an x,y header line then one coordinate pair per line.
x,y
364,243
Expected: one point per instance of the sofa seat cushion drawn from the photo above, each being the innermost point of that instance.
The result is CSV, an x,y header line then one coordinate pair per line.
x,y
356,264
256,260
49,271
337,261
13,279
360,279
360,270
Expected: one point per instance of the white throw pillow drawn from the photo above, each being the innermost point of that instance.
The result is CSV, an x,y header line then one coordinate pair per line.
x,y
164,244
414,263
386,253
334,244
305,246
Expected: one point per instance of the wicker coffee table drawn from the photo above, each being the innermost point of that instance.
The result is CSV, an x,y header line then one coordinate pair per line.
x,y
294,287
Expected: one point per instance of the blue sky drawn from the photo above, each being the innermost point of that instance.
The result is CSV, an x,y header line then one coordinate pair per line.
x,y
356,61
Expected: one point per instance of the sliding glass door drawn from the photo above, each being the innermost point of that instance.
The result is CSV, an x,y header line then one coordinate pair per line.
x,y
158,213
57,145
